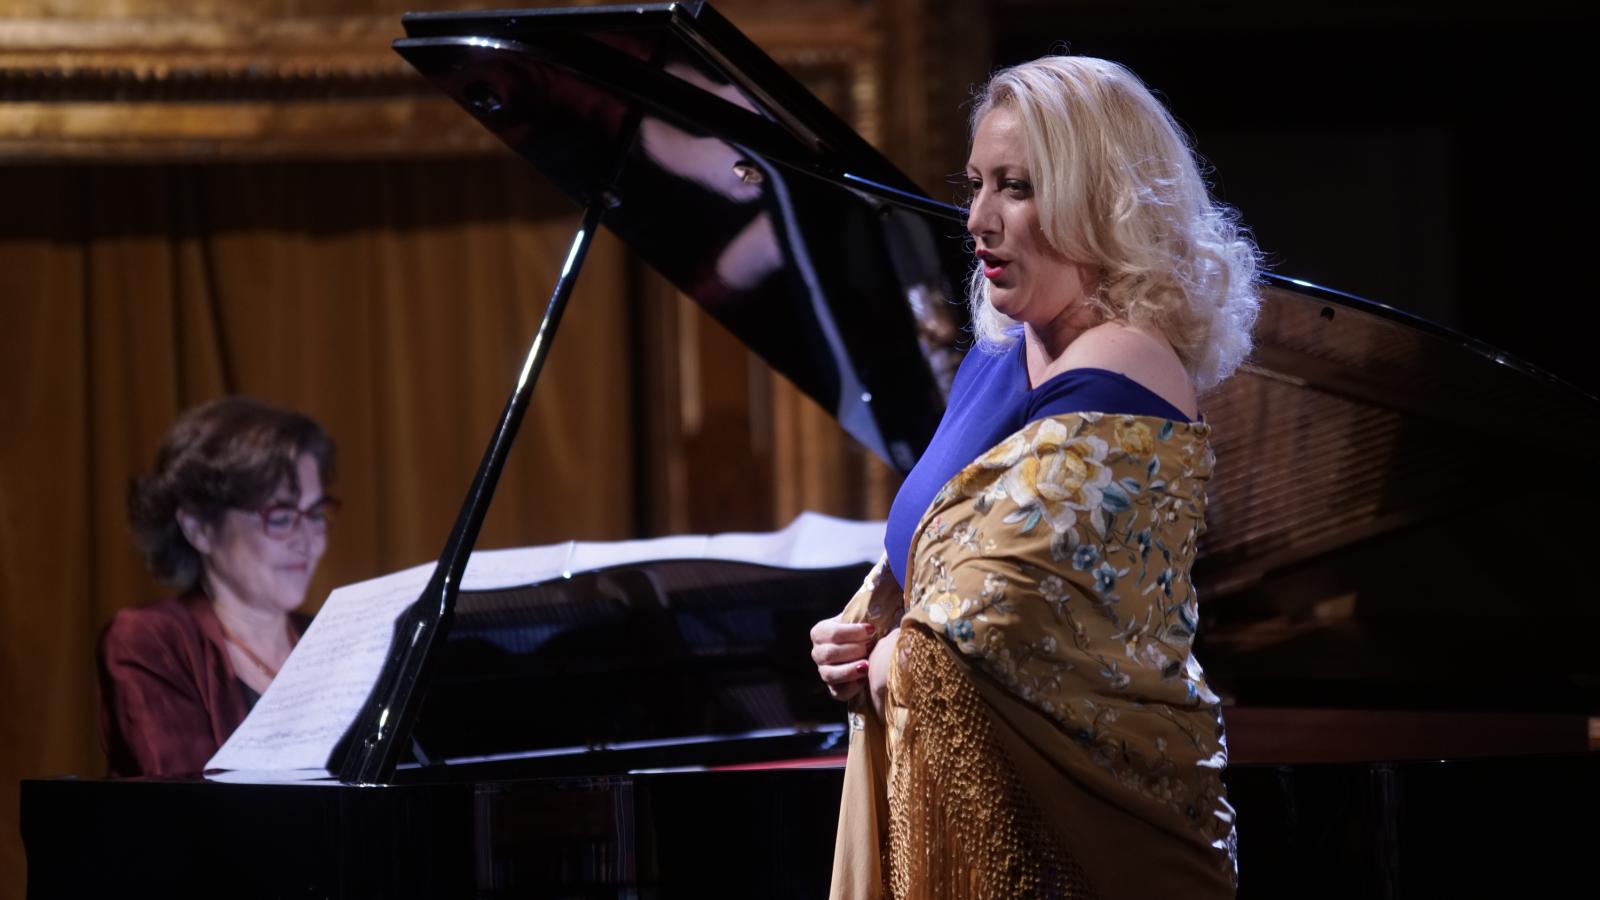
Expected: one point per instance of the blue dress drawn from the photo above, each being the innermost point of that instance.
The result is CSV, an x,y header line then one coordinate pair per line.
x,y
990,400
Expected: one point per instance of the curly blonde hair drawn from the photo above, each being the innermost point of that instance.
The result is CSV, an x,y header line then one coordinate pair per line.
x,y
1117,186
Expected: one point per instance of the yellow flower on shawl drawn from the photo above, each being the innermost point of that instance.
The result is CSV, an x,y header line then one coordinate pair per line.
x,y
1060,476
943,607
969,480
979,475
1134,438
1005,454
954,613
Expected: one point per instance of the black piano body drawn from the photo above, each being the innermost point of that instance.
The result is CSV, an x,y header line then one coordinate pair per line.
x,y
1509,826
1397,609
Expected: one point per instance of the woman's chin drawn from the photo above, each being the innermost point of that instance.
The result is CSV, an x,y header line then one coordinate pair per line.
x,y
1001,301
291,597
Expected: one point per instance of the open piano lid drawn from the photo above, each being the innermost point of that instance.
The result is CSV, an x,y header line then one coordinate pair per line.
x,y
738,185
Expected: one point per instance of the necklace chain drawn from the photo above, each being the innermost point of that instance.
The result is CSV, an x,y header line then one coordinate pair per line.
x,y
261,664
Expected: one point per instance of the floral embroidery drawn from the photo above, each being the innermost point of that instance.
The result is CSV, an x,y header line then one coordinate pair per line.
x,y
1059,561
1134,438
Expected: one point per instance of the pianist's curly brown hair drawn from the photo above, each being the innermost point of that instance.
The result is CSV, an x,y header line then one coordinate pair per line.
x,y
230,453
1117,186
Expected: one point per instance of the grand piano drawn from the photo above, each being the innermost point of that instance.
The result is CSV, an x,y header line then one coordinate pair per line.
x,y
1398,608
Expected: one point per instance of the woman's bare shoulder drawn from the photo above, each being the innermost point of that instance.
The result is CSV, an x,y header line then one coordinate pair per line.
x,y
1140,355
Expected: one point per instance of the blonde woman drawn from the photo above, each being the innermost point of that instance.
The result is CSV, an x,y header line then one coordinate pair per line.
x,y
1027,717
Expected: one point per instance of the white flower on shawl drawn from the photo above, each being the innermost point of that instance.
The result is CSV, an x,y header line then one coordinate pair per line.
x,y
1005,454
1139,646
1118,679
978,476
953,612
965,537
1054,591
1060,477
1153,657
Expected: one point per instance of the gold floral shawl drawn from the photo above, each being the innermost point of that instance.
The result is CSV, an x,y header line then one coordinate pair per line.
x,y
1049,731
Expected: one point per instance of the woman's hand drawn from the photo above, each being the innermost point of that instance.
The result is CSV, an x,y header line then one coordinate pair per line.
x,y
878,670
840,651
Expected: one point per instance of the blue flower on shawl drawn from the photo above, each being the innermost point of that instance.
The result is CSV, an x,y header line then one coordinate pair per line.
x,y
1143,539
1105,578
1085,557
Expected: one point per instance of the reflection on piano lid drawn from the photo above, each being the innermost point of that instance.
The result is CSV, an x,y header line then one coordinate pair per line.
x,y
735,183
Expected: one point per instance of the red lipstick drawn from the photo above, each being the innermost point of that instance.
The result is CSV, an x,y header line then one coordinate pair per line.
x,y
992,265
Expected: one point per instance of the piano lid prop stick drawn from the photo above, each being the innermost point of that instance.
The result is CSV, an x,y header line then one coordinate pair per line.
x,y
371,749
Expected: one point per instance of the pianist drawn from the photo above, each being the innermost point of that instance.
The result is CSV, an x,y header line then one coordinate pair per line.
x,y
234,518
1034,723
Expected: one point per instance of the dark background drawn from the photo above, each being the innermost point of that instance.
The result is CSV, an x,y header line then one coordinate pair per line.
x,y
1412,155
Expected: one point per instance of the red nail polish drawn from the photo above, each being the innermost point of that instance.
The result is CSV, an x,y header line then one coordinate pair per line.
x,y
861,666
870,629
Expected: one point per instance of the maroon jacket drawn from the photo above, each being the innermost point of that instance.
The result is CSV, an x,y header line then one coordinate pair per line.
x,y
168,695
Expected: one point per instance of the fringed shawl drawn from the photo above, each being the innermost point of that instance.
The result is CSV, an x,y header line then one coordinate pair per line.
x,y
1049,733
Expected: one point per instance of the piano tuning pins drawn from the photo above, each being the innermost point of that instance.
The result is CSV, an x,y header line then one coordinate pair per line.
x,y
747,172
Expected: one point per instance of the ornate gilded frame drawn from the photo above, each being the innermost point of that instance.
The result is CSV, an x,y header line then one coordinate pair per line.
x,y
319,87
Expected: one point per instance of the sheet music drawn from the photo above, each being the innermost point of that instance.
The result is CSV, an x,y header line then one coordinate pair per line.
x,y
327,677
309,705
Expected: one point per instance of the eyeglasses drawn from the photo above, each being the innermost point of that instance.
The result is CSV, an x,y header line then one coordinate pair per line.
x,y
281,519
